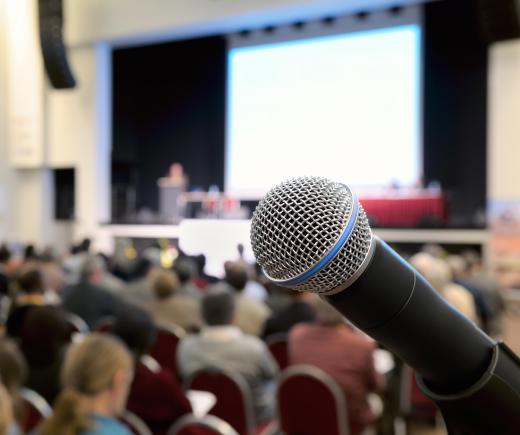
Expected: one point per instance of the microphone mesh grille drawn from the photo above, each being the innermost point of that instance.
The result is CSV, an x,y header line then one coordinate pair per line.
x,y
298,222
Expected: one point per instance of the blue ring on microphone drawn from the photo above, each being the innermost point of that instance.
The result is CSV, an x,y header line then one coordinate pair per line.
x,y
327,259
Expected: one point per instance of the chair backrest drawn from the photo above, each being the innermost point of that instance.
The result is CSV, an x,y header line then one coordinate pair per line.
x,y
105,324
207,425
36,409
278,346
77,324
310,402
134,423
413,402
164,350
234,403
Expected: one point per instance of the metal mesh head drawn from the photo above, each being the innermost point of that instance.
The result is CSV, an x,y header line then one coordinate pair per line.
x,y
297,224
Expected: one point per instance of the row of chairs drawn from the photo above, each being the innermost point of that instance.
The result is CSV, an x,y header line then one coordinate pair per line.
x,y
36,409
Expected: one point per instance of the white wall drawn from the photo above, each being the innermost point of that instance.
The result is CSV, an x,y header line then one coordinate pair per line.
x,y
504,121
122,21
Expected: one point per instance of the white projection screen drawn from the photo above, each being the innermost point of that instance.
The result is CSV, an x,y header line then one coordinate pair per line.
x,y
344,106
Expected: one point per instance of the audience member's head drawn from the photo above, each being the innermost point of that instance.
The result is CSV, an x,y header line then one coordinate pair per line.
x,y
135,327
218,307
459,266
142,268
186,269
29,253
326,315
6,411
165,284
30,281
5,254
93,269
96,377
44,334
13,367
236,275
85,244
13,373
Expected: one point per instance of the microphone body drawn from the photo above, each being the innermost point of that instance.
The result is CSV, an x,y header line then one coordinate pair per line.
x,y
395,305
311,234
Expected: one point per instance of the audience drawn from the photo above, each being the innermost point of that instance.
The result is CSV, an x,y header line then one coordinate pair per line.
x,y
297,311
6,413
87,299
186,270
155,395
139,290
29,293
438,274
169,307
44,338
462,276
347,356
223,346
250,314
96,377
13,373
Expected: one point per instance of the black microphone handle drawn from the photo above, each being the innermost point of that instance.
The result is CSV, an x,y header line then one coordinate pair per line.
x,y
396,306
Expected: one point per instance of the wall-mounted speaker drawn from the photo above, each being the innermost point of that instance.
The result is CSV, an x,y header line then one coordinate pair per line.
x,y
50,13
499,19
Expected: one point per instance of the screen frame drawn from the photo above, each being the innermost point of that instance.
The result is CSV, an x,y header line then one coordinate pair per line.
x,y
341,25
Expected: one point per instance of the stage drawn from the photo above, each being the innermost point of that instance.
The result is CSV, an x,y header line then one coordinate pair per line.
x,y
218,238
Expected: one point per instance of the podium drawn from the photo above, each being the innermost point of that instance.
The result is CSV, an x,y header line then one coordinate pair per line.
x,y
171,200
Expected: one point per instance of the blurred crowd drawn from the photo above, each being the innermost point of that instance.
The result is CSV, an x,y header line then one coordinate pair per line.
x,y
78,331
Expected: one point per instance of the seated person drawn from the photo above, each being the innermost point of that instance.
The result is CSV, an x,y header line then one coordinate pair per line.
x,y
44,338
88,299
155,394
347,356
29,293
250,314
223,346
7,424
171,307
96,376
297,311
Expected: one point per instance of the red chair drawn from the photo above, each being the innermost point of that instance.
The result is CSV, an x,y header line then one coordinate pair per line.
x,y
207,425
35,409
278,346
105,325
234,403
134,424
164,350
414,405
310,402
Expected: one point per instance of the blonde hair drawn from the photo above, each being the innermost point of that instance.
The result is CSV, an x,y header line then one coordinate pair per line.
x,y
6,411
165,284
89,369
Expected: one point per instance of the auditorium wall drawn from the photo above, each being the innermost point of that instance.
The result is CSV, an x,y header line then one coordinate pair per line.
x,y
77,127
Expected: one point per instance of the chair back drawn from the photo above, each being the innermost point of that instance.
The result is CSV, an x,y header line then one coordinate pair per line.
x,y
164,350
234,403
35,409
310,402
278,346
134,424
105,324
414,404
207,425
77,324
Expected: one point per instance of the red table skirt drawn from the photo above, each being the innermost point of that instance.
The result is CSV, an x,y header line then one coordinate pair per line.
x,y
404,211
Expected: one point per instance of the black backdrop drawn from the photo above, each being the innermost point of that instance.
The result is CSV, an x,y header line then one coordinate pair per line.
x,y
169,105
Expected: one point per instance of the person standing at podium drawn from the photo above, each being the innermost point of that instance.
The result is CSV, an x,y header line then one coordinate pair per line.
x,y
171,190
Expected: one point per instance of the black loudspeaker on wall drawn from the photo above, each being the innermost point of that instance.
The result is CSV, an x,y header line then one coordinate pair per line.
x,y
50,14
499,19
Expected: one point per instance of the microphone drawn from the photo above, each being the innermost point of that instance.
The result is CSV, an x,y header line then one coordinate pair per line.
x,y
312,234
